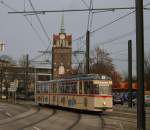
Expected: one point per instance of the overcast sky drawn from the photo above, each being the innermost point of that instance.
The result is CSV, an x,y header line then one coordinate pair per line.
x,y
20,37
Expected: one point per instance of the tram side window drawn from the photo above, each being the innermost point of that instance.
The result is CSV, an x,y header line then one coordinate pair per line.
x,y
44,87
66,88
60,87
95,88
63,88
50,90
80,87
74,87
55,88
70,87
88,87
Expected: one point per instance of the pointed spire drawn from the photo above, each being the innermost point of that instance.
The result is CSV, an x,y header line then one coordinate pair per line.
x,y
62,26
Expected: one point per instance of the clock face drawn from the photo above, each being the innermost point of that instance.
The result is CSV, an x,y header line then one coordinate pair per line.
x,y
62,36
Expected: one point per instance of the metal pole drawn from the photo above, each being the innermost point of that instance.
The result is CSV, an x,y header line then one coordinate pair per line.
x,y
15,97
1,79
140,64
26,75
52,71
87,51
35,84
130,73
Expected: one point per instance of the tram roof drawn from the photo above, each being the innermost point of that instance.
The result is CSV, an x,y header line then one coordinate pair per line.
x,y
83,77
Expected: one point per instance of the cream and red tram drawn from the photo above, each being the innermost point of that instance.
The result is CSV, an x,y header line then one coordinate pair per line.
x,y
86,92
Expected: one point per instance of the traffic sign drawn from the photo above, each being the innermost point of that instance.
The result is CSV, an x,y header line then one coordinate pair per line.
x,y
12,89
13,86
16,83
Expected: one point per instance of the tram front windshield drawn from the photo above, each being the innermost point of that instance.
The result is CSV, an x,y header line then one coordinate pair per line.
x,y
102,88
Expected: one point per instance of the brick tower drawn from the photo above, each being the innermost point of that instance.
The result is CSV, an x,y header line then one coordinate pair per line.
x,y
61,53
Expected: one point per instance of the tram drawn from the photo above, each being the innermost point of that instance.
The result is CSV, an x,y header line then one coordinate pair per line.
x,y
90,92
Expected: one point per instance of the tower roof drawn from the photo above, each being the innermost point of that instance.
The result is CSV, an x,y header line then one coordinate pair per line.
x,y
62,26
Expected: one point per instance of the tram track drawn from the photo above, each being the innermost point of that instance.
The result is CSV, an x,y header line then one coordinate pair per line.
x,y
62,120
101,123
110,125
75,123
21,123
15,118
34,123
13,110
41,120
8,110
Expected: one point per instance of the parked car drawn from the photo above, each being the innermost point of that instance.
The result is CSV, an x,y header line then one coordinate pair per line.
x,y
21,97
117,100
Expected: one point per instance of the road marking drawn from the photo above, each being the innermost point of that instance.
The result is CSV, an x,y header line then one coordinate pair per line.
x,y
36,128
8,114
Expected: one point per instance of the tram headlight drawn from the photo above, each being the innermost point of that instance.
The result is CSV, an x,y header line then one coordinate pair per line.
x,y
104,103
110,82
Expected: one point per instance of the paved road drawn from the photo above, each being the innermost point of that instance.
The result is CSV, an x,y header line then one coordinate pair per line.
x,y
10,110
42,118
127,117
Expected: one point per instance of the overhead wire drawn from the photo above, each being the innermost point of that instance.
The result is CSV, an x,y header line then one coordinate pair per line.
x,y
85,3
123,60
89,15
80,39
39,20
124,50
110,23
120,36
91,21
123,36
119,18
36,32
27,19
42,26
38,56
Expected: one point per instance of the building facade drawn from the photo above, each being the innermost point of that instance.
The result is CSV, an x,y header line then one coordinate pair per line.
x,y
61,53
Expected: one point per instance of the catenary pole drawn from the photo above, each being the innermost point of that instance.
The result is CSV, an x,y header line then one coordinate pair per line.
x,y
130,73
140,64
27,75
87,51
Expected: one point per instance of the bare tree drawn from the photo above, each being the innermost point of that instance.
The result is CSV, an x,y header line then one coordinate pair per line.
x,y
101,62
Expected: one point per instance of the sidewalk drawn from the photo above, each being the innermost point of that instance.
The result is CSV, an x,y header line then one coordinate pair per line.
x,y
125,108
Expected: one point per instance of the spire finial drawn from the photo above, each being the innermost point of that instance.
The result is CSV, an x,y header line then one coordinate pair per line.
x,y
62,27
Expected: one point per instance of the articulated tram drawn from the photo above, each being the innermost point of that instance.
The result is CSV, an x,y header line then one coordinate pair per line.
x,y
91,92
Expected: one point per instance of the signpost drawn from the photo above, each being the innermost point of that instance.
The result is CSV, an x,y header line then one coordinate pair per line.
x,y
13,88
